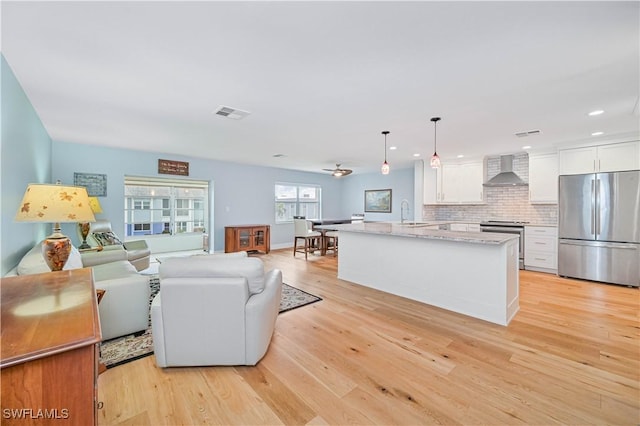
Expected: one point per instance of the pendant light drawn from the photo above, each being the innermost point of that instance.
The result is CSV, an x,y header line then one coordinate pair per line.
x,y
435,159
385,166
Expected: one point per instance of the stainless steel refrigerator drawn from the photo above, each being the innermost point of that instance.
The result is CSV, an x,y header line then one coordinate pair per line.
x,y
599,227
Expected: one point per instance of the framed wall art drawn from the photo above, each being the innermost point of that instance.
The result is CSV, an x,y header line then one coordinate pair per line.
x,y
172,167
95,183
377,200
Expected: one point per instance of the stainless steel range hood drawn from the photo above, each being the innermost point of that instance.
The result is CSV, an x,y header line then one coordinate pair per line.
x,y
506,177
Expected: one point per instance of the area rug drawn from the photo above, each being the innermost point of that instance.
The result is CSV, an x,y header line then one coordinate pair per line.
x,y
125,349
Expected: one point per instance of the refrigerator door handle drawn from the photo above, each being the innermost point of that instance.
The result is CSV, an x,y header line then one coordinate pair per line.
x,y
599,244
593,207
597,213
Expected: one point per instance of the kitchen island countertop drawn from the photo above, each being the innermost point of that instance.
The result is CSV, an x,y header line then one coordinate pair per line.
x,y
422,230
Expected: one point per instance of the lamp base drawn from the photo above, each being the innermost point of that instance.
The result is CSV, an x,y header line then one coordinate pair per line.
x,y
56,250
84,231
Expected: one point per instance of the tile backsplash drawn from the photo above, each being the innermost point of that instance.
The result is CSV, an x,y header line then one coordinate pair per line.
x,y
502,203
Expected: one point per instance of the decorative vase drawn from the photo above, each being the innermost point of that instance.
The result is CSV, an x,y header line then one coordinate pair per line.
x,y
56,252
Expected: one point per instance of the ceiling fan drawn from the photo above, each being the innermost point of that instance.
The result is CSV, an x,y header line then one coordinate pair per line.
x,y
338,172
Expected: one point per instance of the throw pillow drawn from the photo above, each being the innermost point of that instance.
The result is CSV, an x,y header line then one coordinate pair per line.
x,y
107,238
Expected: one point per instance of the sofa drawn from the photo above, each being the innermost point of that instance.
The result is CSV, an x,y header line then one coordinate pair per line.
x,y
214,310
124,308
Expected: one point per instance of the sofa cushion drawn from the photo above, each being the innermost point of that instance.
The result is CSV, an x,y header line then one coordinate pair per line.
x,y
33,261
107,238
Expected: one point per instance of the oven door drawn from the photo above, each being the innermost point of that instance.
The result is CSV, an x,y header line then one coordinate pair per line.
x,y
508,230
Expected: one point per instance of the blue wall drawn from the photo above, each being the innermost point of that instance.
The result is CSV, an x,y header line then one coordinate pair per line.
x,y
401,183
242,194
25,156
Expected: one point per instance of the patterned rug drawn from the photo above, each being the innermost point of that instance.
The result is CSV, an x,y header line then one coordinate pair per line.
x,y
125,349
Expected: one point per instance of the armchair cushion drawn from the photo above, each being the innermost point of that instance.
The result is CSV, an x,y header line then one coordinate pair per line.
x,y
93,258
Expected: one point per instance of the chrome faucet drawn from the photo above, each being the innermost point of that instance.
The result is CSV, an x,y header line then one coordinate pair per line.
x,y
403,204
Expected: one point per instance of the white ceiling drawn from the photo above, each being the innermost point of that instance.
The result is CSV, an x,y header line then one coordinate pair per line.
x,y
323,79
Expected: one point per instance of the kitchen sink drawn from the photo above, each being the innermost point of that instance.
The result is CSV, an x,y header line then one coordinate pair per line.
x,y
414,224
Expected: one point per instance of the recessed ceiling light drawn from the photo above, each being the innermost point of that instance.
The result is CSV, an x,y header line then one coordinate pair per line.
x,y
526,147
416,155
278,155
392,148
597,133
461,156
596,112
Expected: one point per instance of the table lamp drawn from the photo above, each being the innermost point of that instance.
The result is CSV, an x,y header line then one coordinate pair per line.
x,y
84,226
55,203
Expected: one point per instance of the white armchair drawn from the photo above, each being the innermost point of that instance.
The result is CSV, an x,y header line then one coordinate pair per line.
x,y
214,310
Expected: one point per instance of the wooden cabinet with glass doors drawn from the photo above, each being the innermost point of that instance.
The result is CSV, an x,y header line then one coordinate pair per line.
x,y
247,238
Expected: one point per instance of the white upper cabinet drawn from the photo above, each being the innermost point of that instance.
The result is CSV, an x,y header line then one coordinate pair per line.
x,y
543,178
602,158
619,156
430,187
454,183
470,182
450,183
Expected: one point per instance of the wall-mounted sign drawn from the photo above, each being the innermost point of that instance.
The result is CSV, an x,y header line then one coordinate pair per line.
x,y
95,183
170,167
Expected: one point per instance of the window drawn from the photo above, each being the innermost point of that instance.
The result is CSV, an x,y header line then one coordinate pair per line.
x,y
141,227
165,206
296,200
141,204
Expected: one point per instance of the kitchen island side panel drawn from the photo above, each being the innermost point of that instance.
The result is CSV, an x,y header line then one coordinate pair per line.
x,y
475,279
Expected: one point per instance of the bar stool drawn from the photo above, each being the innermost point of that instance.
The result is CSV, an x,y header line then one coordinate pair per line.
x,y
311,238
331,242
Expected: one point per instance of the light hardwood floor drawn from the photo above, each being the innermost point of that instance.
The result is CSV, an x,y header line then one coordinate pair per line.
x,y
570,356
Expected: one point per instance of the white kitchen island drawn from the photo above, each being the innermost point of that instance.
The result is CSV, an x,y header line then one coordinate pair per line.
x,y
471,273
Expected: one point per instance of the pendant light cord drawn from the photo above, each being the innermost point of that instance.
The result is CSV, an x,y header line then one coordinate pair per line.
x,y
385,147
435,133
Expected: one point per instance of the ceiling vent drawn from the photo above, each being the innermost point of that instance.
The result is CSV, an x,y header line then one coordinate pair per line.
x,y
527,133
232,113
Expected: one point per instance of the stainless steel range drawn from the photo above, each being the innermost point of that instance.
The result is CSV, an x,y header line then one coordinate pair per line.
x,y
507,227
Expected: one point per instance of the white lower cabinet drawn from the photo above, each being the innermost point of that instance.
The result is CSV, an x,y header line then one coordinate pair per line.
x,y
541,248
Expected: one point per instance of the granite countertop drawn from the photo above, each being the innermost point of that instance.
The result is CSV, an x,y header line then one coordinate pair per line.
x,y
420,230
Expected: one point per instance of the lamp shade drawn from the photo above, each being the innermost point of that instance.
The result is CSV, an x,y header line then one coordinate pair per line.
x,y
55,203
95,205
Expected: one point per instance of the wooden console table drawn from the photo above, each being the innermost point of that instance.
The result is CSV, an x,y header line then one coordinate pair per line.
x,y
247,238
50,342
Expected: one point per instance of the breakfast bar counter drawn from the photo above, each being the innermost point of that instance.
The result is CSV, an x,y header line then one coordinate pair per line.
x,y
472,273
